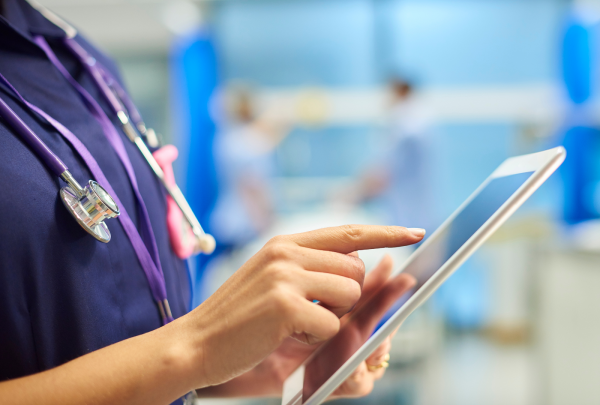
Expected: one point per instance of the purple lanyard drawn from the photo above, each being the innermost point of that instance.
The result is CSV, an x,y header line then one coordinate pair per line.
x,y
155,279
145,244
106,83
113,83
116,142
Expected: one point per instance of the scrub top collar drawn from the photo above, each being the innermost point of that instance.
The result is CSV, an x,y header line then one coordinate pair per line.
x,y
21,22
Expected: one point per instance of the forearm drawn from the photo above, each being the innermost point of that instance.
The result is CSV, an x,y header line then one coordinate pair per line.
x,y
148,369
265,303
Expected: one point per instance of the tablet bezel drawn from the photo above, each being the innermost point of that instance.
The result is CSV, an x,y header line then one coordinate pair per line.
x,y
542,164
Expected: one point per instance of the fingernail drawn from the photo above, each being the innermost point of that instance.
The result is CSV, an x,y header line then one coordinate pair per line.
x,y
418,232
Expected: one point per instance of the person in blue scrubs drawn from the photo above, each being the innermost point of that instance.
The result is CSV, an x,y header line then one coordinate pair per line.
x,y
78,323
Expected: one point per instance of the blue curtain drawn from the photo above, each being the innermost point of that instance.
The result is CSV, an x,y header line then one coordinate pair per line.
x,y
194,79
581,170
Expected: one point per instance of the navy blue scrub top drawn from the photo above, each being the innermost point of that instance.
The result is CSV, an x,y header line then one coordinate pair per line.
x,y
62,293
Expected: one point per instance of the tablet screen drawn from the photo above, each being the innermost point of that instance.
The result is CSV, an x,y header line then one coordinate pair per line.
x,y
430,258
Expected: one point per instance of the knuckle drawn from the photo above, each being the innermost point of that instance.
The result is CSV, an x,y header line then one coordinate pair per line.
x,y
353,291
279,298
276,273
275,250
284,309
356,269
286,303
352,232
277,239
358,265
333,327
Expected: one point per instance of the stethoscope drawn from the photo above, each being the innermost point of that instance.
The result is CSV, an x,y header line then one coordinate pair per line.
x,y
89,205
92,205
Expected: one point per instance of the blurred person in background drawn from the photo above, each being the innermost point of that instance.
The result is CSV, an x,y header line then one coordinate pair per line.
x,y
403,163
244,155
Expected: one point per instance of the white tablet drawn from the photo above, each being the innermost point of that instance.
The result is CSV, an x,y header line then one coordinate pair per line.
x,y
431,264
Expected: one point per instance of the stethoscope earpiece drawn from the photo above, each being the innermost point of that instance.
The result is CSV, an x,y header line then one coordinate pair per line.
x,y
205,243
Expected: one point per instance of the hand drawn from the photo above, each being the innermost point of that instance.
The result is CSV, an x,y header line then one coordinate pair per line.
x,y
361,382
269,299
267,378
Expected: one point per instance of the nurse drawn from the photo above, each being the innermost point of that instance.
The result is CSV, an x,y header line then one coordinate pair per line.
x,y
79,321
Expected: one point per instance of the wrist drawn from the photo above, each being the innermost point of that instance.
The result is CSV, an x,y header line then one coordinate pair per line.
x,y
182,353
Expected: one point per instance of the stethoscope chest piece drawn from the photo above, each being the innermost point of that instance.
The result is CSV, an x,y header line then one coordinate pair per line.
x,y
90,206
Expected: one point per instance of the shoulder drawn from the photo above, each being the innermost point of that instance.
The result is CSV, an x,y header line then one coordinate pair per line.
x,y
105,60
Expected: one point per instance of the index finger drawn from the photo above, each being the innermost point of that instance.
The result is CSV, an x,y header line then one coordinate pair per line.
x,y
350,238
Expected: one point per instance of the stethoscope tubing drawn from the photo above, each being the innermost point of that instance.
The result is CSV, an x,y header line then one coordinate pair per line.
x,y
207,240
125,110
52,161
118,101
94,70
154,276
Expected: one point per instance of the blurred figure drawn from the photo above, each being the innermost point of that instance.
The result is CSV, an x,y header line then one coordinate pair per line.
x,y
400,181
244,155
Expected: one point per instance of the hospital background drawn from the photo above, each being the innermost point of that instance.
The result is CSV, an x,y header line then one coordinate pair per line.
x,y
291,115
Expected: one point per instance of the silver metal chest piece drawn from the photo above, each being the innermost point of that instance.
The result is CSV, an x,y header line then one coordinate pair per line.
x,y
90,206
